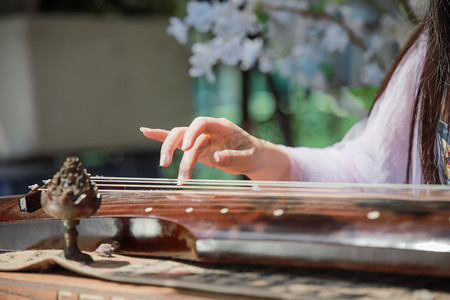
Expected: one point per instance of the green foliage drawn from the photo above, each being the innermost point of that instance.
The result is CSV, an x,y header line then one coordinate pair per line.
x,y
260,13
320,120
262,106
328,71
364,94
311,119
318,7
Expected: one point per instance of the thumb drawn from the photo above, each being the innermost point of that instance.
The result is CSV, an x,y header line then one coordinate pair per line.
x,y
233,158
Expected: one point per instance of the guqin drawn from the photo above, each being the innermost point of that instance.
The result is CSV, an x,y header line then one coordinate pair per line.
x,y
388,228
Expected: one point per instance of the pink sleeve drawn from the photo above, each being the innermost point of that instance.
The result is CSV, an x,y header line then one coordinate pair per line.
x,y
375,150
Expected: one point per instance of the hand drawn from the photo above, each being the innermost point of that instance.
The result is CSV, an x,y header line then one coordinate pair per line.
x,y
221,144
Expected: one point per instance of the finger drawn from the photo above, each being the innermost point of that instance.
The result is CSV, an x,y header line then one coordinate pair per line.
x,y
209,125
171,142
155,134
190,157
236,159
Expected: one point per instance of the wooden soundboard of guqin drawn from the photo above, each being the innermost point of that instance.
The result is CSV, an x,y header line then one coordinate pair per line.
x,y
388,228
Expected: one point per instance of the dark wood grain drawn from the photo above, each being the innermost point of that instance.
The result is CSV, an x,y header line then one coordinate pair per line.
x,y
404,231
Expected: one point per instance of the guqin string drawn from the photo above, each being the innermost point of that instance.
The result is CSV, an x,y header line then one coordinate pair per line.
x,y
285,188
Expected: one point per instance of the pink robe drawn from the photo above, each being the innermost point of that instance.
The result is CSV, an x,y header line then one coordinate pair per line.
x,y
375,150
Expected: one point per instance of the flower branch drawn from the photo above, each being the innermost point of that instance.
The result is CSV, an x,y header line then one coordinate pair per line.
x,y
328,17
287,36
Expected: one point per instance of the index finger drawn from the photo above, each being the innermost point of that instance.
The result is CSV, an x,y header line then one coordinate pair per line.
x,y
155,134
206,125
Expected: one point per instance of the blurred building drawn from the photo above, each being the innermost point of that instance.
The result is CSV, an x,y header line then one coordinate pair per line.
x,y
76,80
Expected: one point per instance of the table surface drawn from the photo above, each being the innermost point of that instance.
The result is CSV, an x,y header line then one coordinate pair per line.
x,y
62,284
59,283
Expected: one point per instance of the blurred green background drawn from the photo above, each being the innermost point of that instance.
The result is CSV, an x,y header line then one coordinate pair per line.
x,y
88,97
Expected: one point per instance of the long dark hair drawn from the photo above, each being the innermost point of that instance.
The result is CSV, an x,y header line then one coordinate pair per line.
x,y
432,100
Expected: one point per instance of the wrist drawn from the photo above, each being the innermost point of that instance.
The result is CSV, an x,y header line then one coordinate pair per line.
x,y
270,163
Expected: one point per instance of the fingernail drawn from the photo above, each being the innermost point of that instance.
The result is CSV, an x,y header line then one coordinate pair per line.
x,y
217,156
182,176
142,129
164,160
186,142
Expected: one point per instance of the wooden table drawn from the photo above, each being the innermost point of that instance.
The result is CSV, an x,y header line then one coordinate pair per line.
x,y
66,285
61,284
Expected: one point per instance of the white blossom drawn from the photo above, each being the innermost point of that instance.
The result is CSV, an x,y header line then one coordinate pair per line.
x,y
289,41
372,74
178,29
199,16
352,21
317,81
230,50
376,42
237,3
250,52
291,67
203,58
283,17
288,4
229,22
266,62
332,8
335,38
297,50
